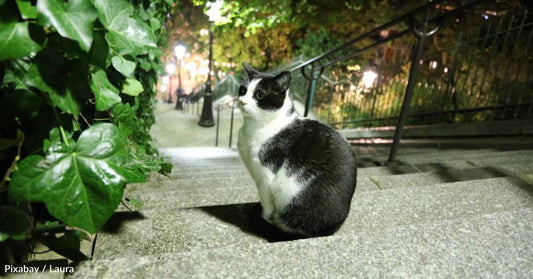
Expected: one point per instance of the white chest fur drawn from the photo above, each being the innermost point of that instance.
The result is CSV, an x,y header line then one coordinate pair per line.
x,y
276,190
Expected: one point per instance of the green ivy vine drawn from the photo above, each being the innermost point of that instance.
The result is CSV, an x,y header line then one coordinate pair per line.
x,y
78,81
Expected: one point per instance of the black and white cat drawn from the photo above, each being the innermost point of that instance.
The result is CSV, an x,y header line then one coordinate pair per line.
x,y
305,171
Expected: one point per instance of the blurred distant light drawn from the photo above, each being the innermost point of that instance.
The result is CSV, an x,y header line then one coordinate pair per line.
x,y
433,65
446,69
163,88
164,79
369,77
204,32
213,11
170,68
355,68
203,71
485,16
179,51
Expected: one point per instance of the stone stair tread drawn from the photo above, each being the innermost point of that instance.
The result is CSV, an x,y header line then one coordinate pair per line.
x,y
169,184
417,152
446,175
423,158
198,192
240,192
495,245
205,227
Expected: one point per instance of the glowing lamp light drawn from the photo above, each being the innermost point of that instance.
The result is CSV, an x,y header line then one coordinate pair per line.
x,y
369,77
179,51
170,68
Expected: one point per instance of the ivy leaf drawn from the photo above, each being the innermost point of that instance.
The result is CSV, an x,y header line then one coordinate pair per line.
x,y
14,223
67,245
105,93
132,87
155,24
73,20
82,183
70,92
16,41
27,11
123,65
125,32
99,50
49,226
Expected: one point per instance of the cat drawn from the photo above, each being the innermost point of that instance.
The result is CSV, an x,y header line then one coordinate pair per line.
x,y
305,171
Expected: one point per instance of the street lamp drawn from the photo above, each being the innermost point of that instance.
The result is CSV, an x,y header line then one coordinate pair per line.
x,y
170,68
179,51
206,119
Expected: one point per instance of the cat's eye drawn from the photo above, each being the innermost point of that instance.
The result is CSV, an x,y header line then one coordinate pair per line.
x,y
259,95
242,90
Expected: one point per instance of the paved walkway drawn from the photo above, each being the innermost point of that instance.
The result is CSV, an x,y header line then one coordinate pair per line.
x,y
175,128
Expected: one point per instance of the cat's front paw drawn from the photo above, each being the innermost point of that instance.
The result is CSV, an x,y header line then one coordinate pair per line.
x,y
267,216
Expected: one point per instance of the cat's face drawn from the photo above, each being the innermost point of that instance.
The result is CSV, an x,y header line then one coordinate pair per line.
x,y
264,94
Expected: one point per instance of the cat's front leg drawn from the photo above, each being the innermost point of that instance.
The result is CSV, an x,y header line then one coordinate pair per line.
x,y
267,203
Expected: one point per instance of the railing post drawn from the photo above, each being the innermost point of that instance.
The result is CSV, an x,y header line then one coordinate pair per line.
x,y
311,88
231,124
413,76
218,124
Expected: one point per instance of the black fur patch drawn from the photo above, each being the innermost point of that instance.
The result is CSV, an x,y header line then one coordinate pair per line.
x,y
326,166
271,90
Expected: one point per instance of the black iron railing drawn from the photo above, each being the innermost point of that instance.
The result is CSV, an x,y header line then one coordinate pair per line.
x,y
392,75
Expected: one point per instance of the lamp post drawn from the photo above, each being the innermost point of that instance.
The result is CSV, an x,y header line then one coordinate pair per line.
x,y
179,51
170,69
206,119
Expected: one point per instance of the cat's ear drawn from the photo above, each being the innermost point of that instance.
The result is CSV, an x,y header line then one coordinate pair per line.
x,y
283,81
250,71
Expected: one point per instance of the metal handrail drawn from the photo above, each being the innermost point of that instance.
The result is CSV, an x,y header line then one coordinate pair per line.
x,y
374,31
220,107
317,70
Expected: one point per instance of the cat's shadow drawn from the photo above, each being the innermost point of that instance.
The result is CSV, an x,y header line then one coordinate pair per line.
x,y
247,216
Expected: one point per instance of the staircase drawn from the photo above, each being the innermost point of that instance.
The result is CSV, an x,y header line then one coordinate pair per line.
x,y
436,213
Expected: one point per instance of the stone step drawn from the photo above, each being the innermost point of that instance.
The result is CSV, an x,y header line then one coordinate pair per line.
x,y
189,193
221,179
480,154
424,152
211,167
487,161
404,164
187,229
507,166
450,175
193,194
495,245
